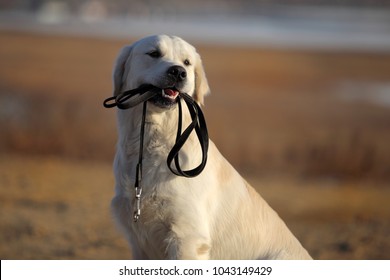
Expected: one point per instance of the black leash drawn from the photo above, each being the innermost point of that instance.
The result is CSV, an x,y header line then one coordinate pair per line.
x,y
131,98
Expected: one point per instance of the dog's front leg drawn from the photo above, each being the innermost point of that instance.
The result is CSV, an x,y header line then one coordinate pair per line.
x,y
189,249
195,249
188,245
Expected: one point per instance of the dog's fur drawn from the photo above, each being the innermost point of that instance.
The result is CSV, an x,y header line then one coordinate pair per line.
x,y
216,215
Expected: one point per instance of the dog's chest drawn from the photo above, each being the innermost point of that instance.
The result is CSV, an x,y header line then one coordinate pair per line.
x,y
154,228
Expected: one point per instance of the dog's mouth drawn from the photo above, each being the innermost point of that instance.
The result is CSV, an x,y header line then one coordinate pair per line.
x,y
167,98
170,94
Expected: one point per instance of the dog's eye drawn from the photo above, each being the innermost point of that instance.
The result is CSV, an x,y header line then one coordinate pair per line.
x,y
187,62
154,54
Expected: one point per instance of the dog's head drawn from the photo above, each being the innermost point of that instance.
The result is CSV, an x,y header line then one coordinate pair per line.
x,y
167,62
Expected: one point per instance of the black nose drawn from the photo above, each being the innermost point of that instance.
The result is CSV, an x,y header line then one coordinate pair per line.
x,y
177,72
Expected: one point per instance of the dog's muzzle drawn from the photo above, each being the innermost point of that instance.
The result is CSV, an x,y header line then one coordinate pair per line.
x,y
176,76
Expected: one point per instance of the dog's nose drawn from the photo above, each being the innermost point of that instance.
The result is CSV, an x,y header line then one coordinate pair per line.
x,y
178,72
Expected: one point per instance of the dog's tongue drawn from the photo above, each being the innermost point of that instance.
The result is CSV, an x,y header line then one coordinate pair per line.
x,y
170,92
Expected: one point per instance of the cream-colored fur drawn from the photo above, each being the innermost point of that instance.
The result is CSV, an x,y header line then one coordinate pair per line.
x,y
216,215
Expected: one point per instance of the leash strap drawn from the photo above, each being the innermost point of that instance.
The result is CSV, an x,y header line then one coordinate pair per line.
x,y
138,172
131,98
199,124
144,92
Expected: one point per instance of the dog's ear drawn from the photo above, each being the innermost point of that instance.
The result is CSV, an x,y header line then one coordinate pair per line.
x,y
119,69
201,85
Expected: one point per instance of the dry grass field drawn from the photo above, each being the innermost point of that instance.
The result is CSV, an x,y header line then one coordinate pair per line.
x,y
301,126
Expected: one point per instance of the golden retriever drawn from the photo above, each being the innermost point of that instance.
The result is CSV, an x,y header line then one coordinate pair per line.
x,y
215,215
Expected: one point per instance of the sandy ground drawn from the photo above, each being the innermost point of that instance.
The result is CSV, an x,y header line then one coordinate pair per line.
x,y
321,161
59,209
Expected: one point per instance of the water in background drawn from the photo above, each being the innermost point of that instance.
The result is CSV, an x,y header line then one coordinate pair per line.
x,y
361,25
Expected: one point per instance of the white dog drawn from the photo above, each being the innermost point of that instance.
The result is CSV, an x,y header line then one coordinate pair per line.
x,y
216,215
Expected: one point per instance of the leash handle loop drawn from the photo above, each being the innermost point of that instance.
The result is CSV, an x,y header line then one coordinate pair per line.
x,y
199,124
144,92
110,102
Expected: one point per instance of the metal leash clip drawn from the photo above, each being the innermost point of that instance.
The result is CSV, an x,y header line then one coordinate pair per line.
x,y
138,192
137,211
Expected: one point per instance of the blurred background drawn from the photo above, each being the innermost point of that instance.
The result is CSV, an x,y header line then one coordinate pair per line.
x,y
299,104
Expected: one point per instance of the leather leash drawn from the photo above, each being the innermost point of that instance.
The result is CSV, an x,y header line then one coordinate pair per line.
x,y
131,98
